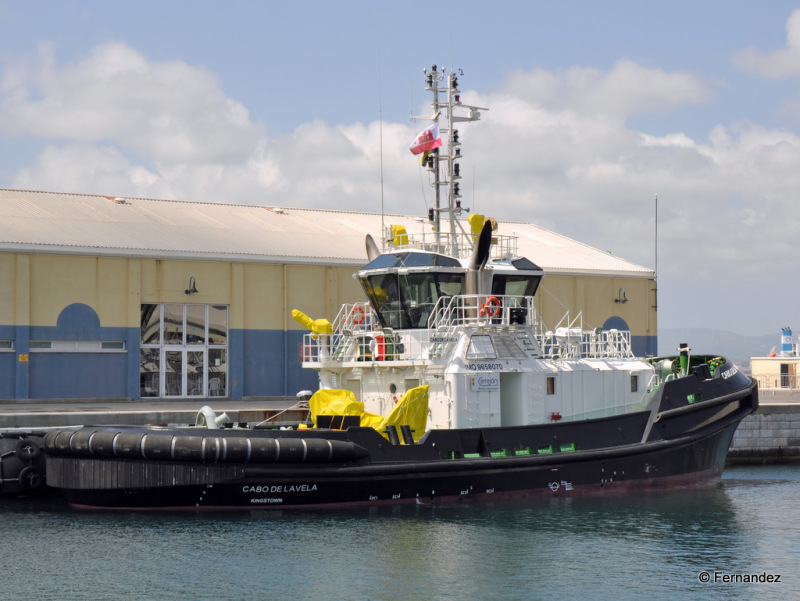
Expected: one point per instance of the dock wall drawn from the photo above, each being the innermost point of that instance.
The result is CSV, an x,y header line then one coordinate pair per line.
x,y
771,435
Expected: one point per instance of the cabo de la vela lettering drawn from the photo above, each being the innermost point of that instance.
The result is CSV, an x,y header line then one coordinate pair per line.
x,y
444,385
280,488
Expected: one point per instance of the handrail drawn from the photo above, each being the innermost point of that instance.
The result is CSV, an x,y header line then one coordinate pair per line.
x,y
358,335
503,247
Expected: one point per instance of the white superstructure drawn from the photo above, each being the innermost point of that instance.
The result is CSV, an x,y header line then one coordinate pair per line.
x,y
454,309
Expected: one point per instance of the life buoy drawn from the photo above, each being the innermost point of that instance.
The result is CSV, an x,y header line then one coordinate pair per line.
x,y
357,315
491,307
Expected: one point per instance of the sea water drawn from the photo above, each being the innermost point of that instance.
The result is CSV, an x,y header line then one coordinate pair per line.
x,y
737,540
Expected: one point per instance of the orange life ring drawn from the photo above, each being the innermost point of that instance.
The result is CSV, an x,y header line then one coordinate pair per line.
x,y
357,315
491,307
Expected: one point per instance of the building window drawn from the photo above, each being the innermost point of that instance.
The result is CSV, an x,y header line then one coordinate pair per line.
x,y
551,385
634,383
184,350
6,345
77,346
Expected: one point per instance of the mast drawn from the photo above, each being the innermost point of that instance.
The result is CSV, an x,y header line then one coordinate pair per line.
x,y
444,167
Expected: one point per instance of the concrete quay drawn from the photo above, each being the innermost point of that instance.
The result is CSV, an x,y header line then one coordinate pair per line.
x,y
53,413
771,434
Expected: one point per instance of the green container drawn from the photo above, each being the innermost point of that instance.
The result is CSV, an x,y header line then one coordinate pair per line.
x,y
501,453
546,450
570,446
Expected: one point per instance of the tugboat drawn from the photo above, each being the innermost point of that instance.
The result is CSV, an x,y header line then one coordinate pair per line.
x,y
443,386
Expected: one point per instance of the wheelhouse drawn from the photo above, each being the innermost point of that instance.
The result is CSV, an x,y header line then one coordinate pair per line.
x,y
403,288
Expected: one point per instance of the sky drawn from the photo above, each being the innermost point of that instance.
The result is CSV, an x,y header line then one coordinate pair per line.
x,y
595,108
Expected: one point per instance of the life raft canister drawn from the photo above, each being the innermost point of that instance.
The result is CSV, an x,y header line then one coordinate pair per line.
x,y
378,347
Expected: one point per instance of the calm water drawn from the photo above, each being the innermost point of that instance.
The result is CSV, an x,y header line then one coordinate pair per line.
x,y
642,547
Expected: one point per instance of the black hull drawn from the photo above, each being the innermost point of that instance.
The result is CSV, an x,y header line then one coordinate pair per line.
x,y
684,446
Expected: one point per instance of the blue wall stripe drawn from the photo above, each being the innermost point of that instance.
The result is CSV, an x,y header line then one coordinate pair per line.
x,y
261,363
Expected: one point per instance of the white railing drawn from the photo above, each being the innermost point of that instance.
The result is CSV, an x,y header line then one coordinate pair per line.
x,y
483,310
358,336
569,340
503,247
778,382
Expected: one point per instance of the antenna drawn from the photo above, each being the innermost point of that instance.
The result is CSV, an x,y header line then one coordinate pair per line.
x,y
655,269
445,169
380,129
656,241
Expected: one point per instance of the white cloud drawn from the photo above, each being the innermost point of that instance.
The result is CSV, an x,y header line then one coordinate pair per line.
x,y
778,64
169,112
626,89
82,167
554,149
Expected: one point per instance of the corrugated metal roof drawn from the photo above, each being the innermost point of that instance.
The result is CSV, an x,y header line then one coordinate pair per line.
x,y
84,223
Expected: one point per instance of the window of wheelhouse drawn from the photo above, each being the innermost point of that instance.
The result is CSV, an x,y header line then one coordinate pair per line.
x,y
515,284
406,301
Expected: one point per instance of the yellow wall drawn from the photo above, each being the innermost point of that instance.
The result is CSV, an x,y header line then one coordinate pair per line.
x,y
596,296
771,367
35,288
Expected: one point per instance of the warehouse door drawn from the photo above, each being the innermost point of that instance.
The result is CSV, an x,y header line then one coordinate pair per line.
x,y
184,351
184,372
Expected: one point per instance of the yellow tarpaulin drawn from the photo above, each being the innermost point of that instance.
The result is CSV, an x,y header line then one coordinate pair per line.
x,y
334,402
411,410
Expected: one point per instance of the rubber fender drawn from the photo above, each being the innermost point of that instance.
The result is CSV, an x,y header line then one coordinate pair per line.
x,y
27,449
237,449
61,441
212,449
50,441
291,450
30,479
79,442
157,446
319,450
263,450
128,444
347,451
187,448
101,444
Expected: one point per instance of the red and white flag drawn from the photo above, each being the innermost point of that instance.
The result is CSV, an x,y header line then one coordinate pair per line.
x,y
427,140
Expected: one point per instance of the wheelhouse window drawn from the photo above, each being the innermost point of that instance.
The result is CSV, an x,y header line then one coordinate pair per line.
x,y
407,300
515,284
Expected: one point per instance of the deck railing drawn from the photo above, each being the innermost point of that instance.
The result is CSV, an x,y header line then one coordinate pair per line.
x,y
460,245
358,335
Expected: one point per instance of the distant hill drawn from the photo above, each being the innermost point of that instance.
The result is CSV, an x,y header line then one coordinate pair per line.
x,y
735,347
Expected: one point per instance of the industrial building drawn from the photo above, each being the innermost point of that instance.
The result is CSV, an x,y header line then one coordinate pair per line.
x,y
133,298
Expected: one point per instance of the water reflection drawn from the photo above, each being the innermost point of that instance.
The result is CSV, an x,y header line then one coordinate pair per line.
x,y
626,547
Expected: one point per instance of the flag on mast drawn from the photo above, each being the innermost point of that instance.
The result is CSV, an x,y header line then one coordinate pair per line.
x,y
426,141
